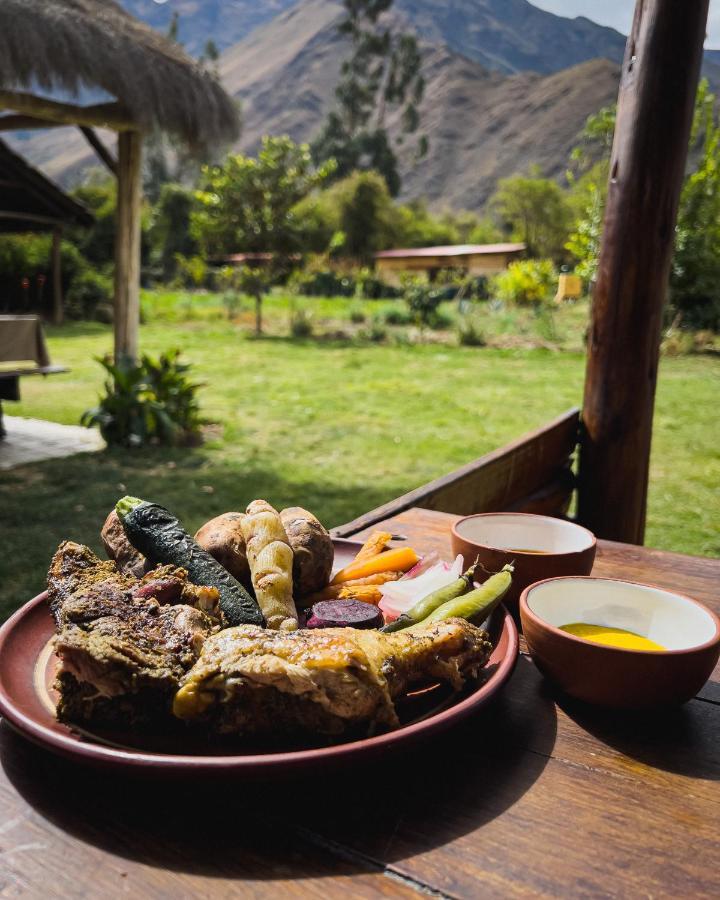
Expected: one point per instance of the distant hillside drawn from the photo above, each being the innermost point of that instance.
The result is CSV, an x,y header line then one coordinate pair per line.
x,y
507,35
481,124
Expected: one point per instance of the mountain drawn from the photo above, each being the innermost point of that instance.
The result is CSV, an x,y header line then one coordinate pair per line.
x,y
512,35
223,21
482,123
506,35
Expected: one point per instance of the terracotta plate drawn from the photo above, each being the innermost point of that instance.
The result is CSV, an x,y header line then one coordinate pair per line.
x,y
27,701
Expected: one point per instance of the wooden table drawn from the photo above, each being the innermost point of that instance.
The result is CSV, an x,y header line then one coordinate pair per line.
x,y
537,795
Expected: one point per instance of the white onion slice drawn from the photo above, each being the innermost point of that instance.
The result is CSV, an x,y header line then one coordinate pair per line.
x,y
400,596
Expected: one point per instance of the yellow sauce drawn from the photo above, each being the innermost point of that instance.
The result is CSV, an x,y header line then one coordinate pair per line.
x,y
611,637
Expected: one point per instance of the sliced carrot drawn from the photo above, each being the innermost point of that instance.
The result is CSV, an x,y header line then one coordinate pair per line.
x,y
344,590
398,560
375,544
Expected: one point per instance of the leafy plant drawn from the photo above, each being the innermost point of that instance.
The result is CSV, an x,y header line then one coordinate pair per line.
x,y
422,301
469,333
357,315
301,325
397,316
527,282
375,332
150,402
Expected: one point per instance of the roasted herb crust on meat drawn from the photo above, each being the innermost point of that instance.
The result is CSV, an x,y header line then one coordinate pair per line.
x,y
124,644
249,680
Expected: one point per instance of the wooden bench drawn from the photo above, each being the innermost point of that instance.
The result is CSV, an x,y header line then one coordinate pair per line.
x,y
10,383
532,474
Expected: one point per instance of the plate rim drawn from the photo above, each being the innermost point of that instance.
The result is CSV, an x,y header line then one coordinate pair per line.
x,y
71,746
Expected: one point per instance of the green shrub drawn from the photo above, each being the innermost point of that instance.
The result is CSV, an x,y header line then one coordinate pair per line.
x,y
322,283
357,315
422,301
398,316
376,332
469,333
527,282
440,321
150,402
89,291
301,325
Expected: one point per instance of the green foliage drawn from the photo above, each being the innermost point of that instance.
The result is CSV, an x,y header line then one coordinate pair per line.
x,y
376,332
485,231
169,232
533,210
584,240
695,278
527,282
89,290
25,259
422,301
97,243
396,316
321,282
247,204
191,271
301,325
413,225
470,333
151,402
381,74
357,315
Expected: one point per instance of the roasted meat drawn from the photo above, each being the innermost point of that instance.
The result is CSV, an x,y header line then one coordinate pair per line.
x,y
249,680
124,644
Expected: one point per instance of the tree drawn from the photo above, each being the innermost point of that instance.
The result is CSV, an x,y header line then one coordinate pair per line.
x,y
247,205
381,74
533,210
170,229
695,275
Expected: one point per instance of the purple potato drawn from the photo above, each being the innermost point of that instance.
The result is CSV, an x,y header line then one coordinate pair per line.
x,y
344,614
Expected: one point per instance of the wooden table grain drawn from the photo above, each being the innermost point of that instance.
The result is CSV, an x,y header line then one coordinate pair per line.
x,y
536,796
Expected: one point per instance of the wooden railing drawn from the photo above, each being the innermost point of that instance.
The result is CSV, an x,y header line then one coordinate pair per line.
x,y
532,474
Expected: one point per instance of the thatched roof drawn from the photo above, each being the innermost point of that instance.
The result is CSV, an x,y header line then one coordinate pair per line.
x,y
73,45
31,202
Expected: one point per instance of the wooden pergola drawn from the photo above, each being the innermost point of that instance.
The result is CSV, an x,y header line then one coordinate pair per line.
x,y
74,46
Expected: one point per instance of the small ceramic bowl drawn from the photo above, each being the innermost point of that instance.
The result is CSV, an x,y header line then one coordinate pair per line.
x,y
538,546
614,676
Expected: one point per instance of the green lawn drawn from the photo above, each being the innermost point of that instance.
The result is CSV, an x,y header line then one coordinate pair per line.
x,y
334,426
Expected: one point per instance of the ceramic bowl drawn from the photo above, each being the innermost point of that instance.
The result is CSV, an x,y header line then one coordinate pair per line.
x,y
613,676
538,546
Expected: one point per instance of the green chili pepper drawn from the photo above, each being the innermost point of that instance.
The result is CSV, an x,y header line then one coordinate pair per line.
x,y
478,604
424,607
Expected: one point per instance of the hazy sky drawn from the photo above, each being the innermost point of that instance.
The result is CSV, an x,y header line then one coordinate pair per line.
x,y
618,14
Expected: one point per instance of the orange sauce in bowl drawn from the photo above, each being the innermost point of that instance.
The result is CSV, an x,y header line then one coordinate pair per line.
x,y
611,637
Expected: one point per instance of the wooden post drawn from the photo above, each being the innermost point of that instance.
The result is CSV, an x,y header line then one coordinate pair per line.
x,y
57,314
655,107
127,245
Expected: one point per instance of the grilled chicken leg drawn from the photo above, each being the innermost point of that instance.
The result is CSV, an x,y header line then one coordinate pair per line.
x,y
249,680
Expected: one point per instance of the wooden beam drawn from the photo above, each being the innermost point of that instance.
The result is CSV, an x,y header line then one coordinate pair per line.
x,y
127,245
100,148
655,107
103,115
56,267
